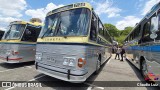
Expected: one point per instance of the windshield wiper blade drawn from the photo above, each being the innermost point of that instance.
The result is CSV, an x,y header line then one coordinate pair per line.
x,y
48,30
59,27
7,34
44,34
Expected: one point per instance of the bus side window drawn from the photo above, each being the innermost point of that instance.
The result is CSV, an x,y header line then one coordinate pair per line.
x,y
93,31
146,32
100,29
158,31
137,32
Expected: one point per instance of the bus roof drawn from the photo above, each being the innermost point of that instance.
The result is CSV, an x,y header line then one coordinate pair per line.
x,y
24,22
148,15
71,6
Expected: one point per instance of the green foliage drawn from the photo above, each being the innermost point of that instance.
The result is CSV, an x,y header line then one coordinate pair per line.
x,y
120,39
113,31
118,35
126,31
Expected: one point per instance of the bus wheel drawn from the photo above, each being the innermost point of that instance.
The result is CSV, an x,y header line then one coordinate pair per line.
x,y
98,66
144,70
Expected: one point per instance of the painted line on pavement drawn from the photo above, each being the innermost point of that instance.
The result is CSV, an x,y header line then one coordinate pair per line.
x,y
109,61
93,86
37,78
7,70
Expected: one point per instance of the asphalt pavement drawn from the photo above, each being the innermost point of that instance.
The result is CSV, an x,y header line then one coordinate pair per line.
x,y
114,75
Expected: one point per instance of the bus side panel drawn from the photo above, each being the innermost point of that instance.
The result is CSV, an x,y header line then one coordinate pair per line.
x,y
95,51
3,50
153,62
92,57
27,52
151,56
108,53
132,55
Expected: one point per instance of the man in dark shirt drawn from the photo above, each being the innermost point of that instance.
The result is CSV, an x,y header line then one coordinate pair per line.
x,y
122,53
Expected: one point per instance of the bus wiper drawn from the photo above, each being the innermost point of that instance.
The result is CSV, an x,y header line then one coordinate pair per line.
x,y
44,34
59,27
7,34
48,30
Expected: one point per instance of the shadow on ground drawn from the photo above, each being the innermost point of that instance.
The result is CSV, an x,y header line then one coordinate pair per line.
x,y
16,65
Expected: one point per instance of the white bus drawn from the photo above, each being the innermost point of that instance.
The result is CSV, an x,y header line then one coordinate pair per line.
x,y
143,45
73,43
19,42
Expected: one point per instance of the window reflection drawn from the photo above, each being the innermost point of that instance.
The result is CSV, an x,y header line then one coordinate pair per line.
x,y
68,23
14,31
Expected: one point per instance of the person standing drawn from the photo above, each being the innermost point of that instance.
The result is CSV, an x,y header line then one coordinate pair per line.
x,y
117,53
122,53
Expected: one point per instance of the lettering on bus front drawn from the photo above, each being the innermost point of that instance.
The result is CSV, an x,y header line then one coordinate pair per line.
x,y
79,5
52,39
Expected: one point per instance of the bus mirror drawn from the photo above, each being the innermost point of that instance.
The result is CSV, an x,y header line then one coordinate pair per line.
x,y
28,32
153,36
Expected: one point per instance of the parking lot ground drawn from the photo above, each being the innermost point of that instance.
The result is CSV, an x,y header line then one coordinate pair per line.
x,y
113,72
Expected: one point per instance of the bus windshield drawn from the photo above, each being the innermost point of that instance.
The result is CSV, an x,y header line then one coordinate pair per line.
x,y
68,23
14,31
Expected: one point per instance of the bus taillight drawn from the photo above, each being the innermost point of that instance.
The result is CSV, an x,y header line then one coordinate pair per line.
x,y
81,62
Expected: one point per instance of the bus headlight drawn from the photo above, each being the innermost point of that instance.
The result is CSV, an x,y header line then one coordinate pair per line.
x,y
38,56
65,62
69,62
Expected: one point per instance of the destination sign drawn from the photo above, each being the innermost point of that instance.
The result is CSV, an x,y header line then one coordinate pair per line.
x,y
67,7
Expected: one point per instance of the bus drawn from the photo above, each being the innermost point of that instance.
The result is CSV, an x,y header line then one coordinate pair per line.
x,y
143,45
73,43
19,42
1,34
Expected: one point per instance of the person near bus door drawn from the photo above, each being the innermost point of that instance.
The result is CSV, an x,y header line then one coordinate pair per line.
x,y
117,53
122,53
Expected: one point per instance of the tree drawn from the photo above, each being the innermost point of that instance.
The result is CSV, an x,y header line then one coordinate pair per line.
x,y
118,35
126,31
35,20
113,31
123,34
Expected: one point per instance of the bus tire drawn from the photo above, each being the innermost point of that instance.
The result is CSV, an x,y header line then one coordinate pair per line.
x,y
144,70
98,65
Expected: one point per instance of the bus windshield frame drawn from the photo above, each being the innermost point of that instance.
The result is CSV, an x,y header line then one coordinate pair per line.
x,y
74,22
15,31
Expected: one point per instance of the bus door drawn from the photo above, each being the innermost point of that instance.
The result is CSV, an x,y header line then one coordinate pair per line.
x,y
28,49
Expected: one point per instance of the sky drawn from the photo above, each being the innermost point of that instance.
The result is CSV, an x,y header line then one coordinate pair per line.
x,y
121,13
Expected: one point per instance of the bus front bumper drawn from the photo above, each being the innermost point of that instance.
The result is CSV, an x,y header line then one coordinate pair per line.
x,y
62,76
10,60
